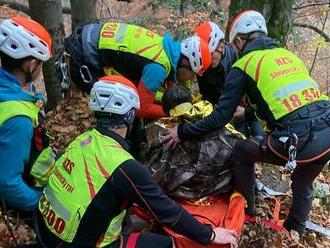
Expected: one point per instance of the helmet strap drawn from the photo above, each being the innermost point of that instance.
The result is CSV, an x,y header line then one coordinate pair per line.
x,y
183,62
129,117
246,38
249,37
27,74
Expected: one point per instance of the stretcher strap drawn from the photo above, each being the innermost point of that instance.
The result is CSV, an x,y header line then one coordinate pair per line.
x,y
276,224
132,239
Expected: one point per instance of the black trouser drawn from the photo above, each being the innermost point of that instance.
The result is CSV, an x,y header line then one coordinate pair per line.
x,y
252,150
47,239
249,129
248,151
145,240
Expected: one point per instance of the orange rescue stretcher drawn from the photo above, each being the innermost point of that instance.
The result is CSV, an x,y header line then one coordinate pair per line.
x,y
219,211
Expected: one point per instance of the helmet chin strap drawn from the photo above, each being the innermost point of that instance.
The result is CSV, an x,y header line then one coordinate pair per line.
x,y
129,117
240,52
28,74
247,40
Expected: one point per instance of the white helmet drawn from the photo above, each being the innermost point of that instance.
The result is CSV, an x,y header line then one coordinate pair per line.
x,y
22,37
114,94
210,33
198,54
247,22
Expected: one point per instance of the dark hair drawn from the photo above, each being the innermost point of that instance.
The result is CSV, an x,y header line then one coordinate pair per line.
x,y
114,121
174,96
9,63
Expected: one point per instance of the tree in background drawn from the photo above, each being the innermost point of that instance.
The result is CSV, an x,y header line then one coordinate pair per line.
x,y
184,6
278,15
180,18
49,14
82,11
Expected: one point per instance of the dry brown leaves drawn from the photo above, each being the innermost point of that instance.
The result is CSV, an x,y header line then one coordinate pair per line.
x,y
190,21
70,119
5,11
19,233
173,22
260,236
23,235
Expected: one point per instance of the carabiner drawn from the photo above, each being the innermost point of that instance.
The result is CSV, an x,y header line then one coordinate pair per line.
x,y
88,73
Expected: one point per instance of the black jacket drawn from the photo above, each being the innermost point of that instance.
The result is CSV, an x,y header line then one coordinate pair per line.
x,y
130,183
237,84
211,84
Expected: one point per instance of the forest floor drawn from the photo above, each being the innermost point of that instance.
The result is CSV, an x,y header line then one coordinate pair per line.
x,y
72,117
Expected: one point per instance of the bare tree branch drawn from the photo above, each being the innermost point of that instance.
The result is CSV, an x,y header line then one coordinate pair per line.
x,y
107,7
325,58
307,15
310,5
317,49
315,56
25,7
316,29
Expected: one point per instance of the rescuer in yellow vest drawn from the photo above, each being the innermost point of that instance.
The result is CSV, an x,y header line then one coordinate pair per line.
x,y
141,55
212,82
96,180
24,163
296,114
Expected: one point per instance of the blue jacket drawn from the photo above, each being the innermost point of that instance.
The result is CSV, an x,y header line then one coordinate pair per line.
x,y
154,75
15,144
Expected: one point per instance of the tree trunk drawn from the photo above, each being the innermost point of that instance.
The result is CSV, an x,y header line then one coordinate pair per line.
x,y
24,7
278,15
82,11
49,14
280,21
182,7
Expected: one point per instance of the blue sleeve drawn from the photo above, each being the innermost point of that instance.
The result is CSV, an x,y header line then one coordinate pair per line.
x,y
153,76
15,144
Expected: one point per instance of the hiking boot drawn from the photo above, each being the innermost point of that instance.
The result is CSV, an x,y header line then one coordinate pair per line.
x,y
290,225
